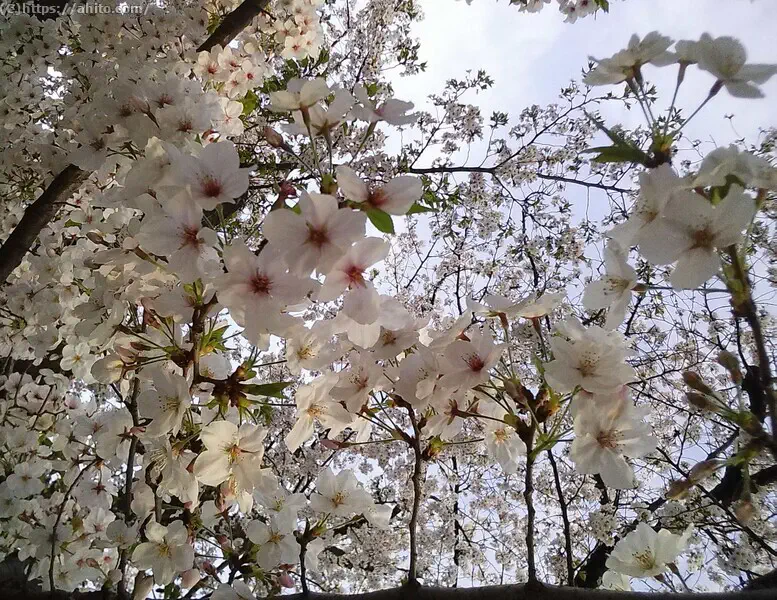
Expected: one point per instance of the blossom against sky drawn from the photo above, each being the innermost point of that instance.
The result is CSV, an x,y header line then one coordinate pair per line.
x,y
531,56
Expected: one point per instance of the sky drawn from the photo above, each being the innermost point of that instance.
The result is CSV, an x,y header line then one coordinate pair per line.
x,y
531,56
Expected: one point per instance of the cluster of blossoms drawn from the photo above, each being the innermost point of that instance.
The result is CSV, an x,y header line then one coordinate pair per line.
x,y
572,9
144,333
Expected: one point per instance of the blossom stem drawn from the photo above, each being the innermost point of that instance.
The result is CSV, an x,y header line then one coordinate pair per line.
x,y
714,90
367,136
680,78
647,101
635,91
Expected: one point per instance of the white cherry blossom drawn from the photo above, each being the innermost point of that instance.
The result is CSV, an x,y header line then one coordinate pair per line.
x,y
167,551
646,552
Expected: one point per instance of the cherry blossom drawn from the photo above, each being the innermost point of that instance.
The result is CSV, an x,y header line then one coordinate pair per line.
x,y
467,363
395,197
691,231
167,551
613,291
214,176
275,540
299,95
166,404
593,360
605,435
626,64
391,110
361,302
314,405
646,552
231,451
318,236
339,495
725,57
180,236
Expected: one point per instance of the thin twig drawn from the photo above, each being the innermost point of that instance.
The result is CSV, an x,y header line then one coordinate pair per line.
x,y
565,519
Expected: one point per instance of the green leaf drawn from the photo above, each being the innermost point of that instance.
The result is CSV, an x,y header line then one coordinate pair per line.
x,y
420,208
213,22
265,412
618,153
381,220
250,101
273,390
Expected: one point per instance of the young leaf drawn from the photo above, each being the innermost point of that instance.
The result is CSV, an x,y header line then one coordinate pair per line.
x,y
273,390
381,220
420,208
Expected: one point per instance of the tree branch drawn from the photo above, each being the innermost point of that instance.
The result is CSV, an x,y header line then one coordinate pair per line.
x,y
233,24
40,212
528,492
492,171
413,525
496,592
565,520
36,217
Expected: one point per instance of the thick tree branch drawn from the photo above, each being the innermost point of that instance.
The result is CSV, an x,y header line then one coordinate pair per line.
x,y
36,217
233,24
40,212
496,592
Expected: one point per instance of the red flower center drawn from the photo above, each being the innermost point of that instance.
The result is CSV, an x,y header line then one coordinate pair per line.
x,y
189,236
317,237
261,284
475,362
211,187
355,275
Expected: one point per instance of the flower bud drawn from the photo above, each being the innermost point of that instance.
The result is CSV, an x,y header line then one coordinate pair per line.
x,y
190,578
729,362
208,567
699,401
143,585
273,137
678,489
287,189
694,381
744,511
286,581
704,469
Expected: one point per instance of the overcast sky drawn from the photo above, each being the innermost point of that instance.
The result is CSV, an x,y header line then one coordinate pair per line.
x,y
531,56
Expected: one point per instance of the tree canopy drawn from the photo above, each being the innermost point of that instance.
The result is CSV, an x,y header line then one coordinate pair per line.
x,y
268,329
